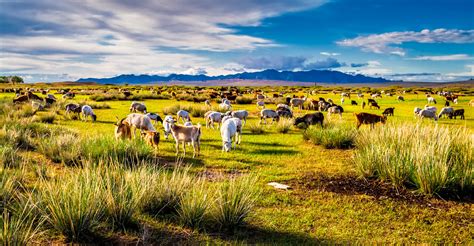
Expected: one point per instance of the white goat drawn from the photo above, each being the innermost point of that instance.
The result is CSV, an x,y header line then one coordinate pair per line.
x,y
428,114
184,115
269,113
241,114
186,134
229,131
297,102
213,117
86,112
225,106
167,125
417,111
431,108
139,121
431,100
342,100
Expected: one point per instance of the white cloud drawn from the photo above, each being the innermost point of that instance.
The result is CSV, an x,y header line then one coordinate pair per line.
x,y
103,38
386,43
329,54
456,57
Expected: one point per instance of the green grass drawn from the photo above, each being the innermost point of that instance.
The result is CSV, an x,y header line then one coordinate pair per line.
x,y
306,214
331,136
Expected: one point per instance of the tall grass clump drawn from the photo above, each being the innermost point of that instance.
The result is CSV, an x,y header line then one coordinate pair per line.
x,y
7,188
332,136
435,160
62,148
45,118
9,157
20,225
193,205
73,205
284,125
235,200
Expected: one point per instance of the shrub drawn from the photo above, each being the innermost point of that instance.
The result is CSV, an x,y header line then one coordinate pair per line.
x,y
235,200
45,118
284,125
332,136
73,205
434,159
243,100
193,206
256,128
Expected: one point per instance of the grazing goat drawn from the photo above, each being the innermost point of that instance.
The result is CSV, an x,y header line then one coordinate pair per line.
x,y
269,113
446,104
374,105
261,104
297,102
353,103
370,100
183,115
122,130
69,95
230,130
213,117
187,134
344,94
75,108
138,107
431,108
310,119
154,117
367,118
225,106
458,112
32,96
360,95
400,99
20,99
335,110
388,112
376,95
417,111
86,112
49,101
51,96
139,121
241,114
425,113
323,105
445,111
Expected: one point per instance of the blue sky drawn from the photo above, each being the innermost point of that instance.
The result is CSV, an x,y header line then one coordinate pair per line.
x,y
410,40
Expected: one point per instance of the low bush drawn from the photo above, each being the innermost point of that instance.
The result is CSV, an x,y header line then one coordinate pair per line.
x,y
45,118
243,100
95,105
256,128
284,125
193,206
332,136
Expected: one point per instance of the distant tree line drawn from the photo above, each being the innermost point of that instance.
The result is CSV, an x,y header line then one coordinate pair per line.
x,y
11,79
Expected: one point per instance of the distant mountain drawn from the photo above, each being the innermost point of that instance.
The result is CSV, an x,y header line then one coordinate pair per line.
x,y
327,76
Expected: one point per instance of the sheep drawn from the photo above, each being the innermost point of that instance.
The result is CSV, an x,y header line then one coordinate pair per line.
x,y
261,104
229,131
376,95
310,119
86,112
167,125
241,114
212,118
269,113
323,105
431,100
445,111
284,111
400,99
154,117
186,134
225,106
457,112
139,121
334,110
425,113
122,130
367,118
183,115
344,94
138,107
374,105
297,102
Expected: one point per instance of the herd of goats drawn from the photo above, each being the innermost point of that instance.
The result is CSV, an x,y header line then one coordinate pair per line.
x,y
231,122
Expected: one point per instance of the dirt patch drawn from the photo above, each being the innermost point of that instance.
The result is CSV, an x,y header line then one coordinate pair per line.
x,y
351,185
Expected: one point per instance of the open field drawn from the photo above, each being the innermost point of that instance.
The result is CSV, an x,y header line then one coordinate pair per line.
x,y
330,202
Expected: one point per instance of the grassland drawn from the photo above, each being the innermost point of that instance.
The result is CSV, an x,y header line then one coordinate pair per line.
x,y
329,202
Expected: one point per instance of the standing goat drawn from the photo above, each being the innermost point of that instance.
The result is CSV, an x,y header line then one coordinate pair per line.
x,y
186,134
86,112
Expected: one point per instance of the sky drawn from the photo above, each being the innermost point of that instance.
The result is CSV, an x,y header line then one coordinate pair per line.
x,y
50,40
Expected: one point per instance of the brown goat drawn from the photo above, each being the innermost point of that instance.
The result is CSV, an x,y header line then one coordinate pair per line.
x,y
152,138
366,118
21,99
122,130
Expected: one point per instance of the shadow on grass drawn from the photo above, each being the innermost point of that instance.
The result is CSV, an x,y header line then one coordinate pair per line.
x,y
274,152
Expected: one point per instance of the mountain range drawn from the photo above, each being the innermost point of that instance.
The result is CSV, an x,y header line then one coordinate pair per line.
x,y
323,76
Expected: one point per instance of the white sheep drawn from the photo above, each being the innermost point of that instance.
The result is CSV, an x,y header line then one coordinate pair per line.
x,y
213,117
184,115
86,112
334,110
425,113
445,111
241,114
229,131
138,107
269,113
